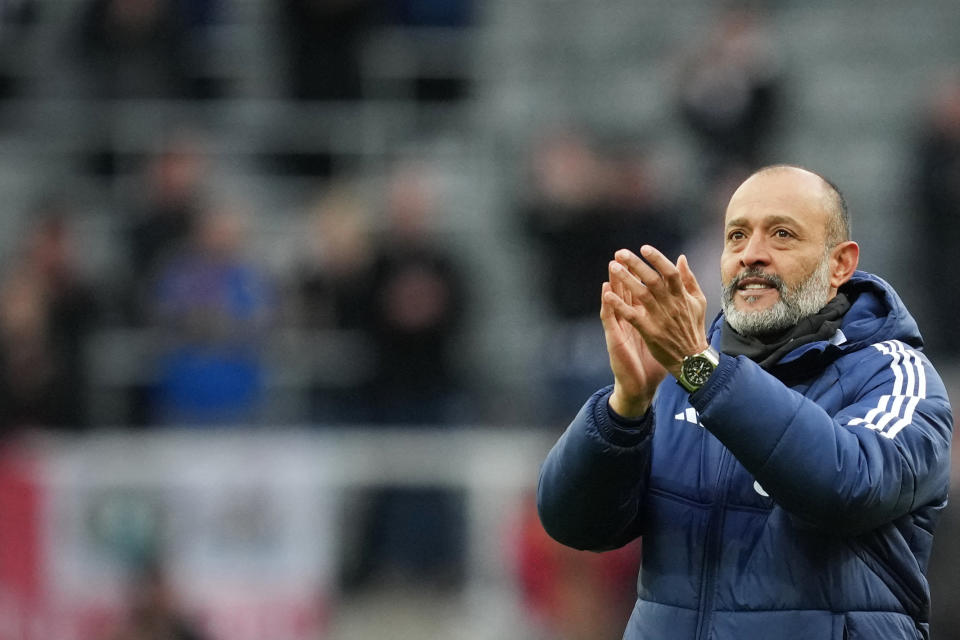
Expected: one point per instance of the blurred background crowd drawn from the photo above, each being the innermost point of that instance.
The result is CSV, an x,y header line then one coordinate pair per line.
x,y
391,219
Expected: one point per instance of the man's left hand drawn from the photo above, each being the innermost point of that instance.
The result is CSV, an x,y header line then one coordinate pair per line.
x,y
667,306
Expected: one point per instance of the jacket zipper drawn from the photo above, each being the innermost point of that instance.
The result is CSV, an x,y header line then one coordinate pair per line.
x,y
712,546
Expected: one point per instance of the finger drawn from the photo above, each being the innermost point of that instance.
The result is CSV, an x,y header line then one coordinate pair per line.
x,y
635,315
640,269
616,282
651,275
687,276
608,313
606,308
628,286
668,271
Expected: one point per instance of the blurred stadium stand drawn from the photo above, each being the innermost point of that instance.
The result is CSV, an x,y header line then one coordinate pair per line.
x,y
467,98
853,96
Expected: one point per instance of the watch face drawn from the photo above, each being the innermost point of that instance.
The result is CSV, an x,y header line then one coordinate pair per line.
x,y
697,370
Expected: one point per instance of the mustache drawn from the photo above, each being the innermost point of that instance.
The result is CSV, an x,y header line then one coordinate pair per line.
x,y
772,279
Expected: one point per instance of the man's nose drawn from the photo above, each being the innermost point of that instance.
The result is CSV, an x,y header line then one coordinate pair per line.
x,y
756,252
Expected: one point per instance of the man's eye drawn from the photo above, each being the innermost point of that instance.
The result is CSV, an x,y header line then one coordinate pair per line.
x,y
783,233
736,235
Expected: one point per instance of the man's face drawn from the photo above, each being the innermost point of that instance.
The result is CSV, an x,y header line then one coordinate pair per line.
x,y
775,266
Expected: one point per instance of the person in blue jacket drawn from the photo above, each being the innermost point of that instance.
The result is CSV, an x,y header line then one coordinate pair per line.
x,y
785,469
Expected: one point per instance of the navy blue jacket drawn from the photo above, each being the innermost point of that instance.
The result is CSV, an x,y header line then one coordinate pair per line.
x,y
796,504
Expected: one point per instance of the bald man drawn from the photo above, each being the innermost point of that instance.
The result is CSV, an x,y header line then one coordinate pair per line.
x,y
785,468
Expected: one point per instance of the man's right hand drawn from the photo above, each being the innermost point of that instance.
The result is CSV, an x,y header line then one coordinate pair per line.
x,y
636,372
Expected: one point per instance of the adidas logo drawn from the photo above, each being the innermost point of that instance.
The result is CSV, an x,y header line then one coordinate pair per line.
x,y
760,490
690,415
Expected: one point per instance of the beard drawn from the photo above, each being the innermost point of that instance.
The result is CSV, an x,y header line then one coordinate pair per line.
x,y
792,305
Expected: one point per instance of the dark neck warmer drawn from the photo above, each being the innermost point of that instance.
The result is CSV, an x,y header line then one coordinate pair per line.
x,y
767,350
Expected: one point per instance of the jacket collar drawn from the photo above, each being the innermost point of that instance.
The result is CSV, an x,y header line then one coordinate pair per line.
x,y
876,314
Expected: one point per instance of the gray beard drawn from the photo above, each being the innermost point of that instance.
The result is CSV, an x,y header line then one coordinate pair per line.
x,y
793,303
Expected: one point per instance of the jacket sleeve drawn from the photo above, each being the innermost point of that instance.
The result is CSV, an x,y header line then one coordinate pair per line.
x,y
879,458
591,483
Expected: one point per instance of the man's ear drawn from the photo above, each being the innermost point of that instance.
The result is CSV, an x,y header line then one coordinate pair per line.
x,y
843,262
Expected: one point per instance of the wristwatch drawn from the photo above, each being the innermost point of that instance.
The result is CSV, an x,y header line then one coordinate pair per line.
x,y
695,370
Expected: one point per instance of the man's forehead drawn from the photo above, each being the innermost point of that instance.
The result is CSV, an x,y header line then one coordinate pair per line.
x,y
788,193
767,220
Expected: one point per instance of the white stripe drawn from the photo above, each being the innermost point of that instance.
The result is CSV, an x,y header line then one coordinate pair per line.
x,y
873,413
905,364
692,415
921,374
900,424
911,369
893,413
887,349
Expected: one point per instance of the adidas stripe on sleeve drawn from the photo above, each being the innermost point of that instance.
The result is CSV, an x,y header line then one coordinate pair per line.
x,y
894,411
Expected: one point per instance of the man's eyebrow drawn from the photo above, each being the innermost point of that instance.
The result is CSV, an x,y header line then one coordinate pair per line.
x,y
768,221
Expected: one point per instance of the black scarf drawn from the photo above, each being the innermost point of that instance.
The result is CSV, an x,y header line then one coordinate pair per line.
x,y
767,351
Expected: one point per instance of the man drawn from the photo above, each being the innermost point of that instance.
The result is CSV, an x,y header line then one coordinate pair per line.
x,y
788,486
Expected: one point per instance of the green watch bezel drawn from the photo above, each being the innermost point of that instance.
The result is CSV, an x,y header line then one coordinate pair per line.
x,y
695,370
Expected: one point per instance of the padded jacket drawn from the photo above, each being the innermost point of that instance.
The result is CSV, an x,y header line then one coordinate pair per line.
x,y
793,504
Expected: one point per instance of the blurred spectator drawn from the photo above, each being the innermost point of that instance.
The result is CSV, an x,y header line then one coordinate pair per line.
x,y
334,281
335,272
169,200
327,41
564,214
441,70
46,312
418,302
641,209
729,89
936,192
138,49
213,305
324,40
569,594
322,44
153,612
581,206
